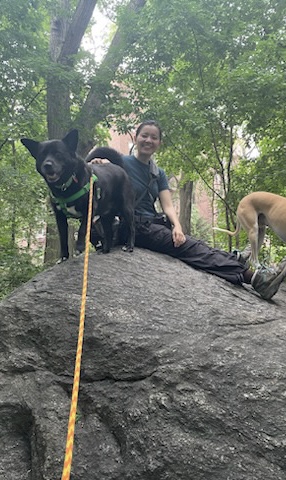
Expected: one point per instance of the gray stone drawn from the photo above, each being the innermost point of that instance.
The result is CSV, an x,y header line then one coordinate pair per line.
x,y
183,374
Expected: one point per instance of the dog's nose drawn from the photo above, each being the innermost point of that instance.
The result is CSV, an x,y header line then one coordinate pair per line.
x,y
48,166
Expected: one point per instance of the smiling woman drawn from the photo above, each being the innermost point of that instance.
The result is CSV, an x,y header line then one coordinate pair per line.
x,y
154,233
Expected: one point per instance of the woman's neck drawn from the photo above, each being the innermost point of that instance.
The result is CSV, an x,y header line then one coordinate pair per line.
x,y
143,158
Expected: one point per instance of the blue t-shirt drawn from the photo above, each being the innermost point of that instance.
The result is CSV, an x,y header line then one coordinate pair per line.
x,y
140,175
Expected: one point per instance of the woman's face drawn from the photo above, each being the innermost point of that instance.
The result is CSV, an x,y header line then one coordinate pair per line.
x,y
148,140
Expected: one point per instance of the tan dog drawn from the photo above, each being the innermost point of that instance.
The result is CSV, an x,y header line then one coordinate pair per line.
x,y
256,211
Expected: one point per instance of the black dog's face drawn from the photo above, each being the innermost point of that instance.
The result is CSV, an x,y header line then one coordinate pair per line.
x,y
56,160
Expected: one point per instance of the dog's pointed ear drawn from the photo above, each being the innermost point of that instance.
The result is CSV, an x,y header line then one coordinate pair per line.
x,y
31,145
71,140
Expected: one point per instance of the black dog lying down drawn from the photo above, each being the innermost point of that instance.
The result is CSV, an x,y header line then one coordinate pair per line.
x,y
68,178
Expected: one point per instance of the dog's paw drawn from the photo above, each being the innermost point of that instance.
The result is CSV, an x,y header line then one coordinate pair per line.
x,y
61,260
100,250
127,248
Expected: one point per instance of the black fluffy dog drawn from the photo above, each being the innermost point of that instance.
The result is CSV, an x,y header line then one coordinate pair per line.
x,y
68,178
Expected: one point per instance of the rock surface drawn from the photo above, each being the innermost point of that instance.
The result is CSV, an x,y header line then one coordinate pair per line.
x,y
183,375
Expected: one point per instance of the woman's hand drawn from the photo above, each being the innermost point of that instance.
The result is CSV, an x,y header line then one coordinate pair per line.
x,y
178,236
168,208
99,160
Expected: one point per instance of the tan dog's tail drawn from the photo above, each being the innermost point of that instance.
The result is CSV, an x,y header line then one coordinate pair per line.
x,y
231,234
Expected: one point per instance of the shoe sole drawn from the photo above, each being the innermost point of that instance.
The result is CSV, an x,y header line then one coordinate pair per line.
x,y
273,288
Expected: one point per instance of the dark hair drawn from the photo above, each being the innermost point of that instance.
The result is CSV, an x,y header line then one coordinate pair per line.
x,y
149,122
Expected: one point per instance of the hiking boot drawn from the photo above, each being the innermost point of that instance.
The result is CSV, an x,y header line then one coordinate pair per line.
x,y
244,255
266,281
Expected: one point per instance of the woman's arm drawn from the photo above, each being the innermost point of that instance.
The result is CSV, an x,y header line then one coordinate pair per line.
x,y
168,208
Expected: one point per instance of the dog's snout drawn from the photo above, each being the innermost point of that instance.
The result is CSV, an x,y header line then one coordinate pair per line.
x,y
48,166
50,169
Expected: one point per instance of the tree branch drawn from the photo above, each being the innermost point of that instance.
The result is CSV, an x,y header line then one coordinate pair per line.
x,y
92,111
76,29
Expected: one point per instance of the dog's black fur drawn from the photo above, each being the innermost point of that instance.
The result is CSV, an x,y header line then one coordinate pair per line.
x,y
66,174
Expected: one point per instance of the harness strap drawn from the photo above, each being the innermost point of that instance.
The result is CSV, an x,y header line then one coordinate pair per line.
x,y
63,202
144,218
160,218
153,177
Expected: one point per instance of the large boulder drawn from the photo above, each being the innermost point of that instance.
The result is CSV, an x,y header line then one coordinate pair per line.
x,y
183,374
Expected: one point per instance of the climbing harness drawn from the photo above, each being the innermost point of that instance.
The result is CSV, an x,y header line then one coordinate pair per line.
x,y
74,399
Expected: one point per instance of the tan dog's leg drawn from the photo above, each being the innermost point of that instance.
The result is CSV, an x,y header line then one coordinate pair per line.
x,y
261,235
249,221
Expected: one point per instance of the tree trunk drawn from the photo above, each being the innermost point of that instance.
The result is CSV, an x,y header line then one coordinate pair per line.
x,y
186,192
52,250
65,39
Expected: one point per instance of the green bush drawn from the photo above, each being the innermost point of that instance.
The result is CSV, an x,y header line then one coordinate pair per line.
x,y
16,268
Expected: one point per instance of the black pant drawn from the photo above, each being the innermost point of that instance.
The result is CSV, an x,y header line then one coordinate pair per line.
x,y
194,252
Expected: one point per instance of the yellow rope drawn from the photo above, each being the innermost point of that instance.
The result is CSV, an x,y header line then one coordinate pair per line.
x,y
73,408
